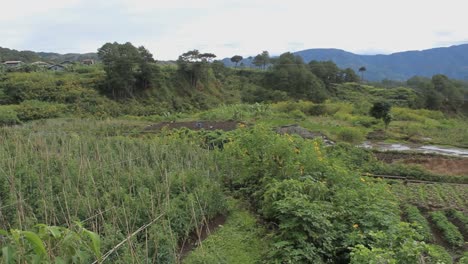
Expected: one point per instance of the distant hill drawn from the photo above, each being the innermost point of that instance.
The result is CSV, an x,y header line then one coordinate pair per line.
x,y
451,61
31,56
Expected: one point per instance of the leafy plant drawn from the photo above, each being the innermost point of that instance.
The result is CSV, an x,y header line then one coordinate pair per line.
x,y
450,231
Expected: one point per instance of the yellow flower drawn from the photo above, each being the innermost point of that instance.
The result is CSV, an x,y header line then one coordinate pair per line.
x,y
241,125
355,225
363,180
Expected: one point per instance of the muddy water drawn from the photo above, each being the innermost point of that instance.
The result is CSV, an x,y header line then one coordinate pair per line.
x,y
448,151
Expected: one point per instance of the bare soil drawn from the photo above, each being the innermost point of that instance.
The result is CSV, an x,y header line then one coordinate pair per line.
x,y
433,163
195,125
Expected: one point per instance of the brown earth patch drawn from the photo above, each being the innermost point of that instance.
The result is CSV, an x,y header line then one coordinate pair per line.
x,y
443,166
196,125
433,163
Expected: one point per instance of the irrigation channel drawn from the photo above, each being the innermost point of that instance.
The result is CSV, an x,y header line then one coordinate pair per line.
x,y
414,148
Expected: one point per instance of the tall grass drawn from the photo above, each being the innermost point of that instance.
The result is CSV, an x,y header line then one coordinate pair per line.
x,y
114,184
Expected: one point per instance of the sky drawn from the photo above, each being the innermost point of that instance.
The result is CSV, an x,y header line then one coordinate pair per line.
x,y
245,27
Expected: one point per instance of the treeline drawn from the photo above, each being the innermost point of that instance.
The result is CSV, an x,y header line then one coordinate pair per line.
x,y
129,81
14,55
131,70
31,56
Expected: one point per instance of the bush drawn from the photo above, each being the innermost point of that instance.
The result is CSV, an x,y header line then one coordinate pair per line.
x,y
33,110
450,231
399,245
365,121
351,135
413,215
316,110
8,116
298,114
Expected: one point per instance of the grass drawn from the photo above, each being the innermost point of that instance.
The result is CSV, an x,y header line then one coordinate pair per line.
x,y
240,240
57,172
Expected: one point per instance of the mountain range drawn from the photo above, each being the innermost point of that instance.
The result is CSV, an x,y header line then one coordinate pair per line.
x,y
451,61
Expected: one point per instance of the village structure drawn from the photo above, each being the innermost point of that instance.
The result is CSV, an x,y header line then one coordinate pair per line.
x,y
41,65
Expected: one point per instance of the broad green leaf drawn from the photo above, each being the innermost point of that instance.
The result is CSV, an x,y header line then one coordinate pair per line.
x,y
36,242
8,255
55,231
95,242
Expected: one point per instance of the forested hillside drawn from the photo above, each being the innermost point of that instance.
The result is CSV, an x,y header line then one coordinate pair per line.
x,y
451,61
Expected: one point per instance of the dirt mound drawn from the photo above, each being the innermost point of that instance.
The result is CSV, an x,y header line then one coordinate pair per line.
x,y
196,125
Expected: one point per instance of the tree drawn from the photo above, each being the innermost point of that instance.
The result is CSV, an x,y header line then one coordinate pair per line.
x,y
194,65
381,110
349,75
291,75
127,68
262,60
236,59
144,73
362,70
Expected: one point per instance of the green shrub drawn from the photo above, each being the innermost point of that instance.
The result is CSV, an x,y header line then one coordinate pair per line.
x,y
413,215
298,114
450,231
350,135
33,110
400,245
460,216
365,121
50,244
464,258
8,116
316,110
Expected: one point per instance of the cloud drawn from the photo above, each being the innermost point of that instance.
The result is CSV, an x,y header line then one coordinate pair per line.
x,y
169,28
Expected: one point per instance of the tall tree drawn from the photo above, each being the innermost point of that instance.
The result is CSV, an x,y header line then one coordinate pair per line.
x,y
291,75
362,70
349,75
236,59
194,65
327,71
124,65
262,59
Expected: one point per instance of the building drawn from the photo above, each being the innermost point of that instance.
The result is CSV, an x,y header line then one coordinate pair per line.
x,y
13,64
56,67
87,62
41,64
65,63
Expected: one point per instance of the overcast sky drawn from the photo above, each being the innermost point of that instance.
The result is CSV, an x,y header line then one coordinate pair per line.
x,y
246,27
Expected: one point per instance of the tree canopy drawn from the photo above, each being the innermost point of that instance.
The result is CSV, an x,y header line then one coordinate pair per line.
x,y
236,59
290,74
127,68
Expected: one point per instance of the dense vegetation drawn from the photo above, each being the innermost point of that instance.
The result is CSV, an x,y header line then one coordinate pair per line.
x,y
86,182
